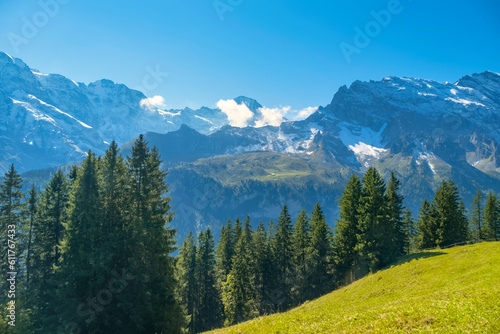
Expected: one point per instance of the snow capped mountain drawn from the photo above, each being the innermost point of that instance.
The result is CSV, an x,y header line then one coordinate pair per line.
x,y
48,119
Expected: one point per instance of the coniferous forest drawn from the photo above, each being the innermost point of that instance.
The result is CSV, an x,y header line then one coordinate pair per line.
x,y
94,252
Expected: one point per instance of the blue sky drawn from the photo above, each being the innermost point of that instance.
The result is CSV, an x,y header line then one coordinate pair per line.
x,y
282,53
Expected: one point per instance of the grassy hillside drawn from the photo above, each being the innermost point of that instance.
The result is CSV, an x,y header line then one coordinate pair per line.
x,y
447,291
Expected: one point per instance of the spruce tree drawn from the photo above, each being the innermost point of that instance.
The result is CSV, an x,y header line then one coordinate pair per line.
x,y
153,241
477,217
48,233
321,278
452,226
82,274
345,240
282,251
301,290
208,303
262,269
372,222
32,212
427,226
408,232
492,217
237,292
186,290
395,234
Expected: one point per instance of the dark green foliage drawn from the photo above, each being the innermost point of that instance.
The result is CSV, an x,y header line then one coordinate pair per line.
x,y
48,235
372,223
262,269
395,243
282,251
477,217
237,291
301,289
320,258
208,306
345,240
409,232
186,290
492,217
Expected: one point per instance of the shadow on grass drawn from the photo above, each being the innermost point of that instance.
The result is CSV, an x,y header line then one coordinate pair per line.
x,y
416,256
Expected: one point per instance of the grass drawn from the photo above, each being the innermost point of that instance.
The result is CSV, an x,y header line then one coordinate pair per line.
x,y
455,290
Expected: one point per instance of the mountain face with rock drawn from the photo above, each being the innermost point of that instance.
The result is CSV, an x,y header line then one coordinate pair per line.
x,y
48,120
423,130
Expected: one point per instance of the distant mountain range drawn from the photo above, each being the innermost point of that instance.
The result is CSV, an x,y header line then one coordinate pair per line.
x,y
423,130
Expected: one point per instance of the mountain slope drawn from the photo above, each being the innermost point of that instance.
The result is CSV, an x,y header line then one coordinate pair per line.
x,y
47,119
453,291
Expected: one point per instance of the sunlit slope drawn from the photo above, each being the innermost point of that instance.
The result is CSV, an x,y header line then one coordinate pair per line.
x,y
445,291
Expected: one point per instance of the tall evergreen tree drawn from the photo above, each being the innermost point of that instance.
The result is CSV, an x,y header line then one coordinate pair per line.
x,y
492,217
153,242
301,290
282,251
427,226
345,240
262,268
477,217
208,303
408,232
49,233
395,234
321,278
224,254
186,290
452,223
32,211
237,295
81,275
372,222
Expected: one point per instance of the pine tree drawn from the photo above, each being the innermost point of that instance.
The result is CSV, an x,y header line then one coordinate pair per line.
x,y
345,240
395,236
452,226
32,211
427,226
408,232
237,293
320,279
492,217
282,251
301,289
186,289
81,275
208,303
477,217
153,241
48,233
372,222
224,254
262,269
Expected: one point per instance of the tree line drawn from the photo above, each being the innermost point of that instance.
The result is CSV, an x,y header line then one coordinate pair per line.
x,y
252,272
94,250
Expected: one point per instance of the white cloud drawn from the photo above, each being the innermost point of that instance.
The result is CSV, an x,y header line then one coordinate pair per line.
x,y
272,116
151,103
304,113
238,114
